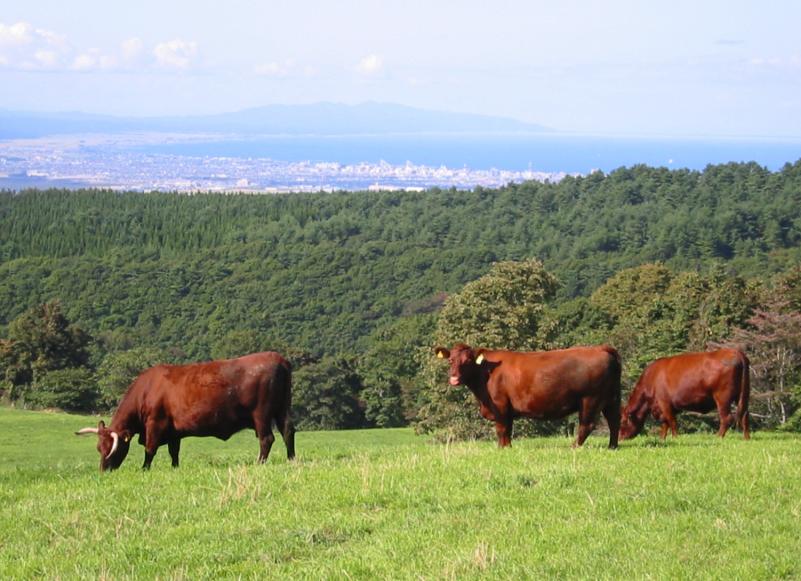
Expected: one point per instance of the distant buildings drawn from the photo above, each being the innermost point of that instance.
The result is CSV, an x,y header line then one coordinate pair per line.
x,y
33,163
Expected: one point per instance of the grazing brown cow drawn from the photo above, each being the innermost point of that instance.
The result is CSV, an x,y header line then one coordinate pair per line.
x,y
540,384
697,382
216,398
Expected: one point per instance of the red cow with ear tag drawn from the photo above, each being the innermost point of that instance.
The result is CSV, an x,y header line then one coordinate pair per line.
x,y
540,384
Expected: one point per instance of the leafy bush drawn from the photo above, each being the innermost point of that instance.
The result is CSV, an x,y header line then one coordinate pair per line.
x,y
71,389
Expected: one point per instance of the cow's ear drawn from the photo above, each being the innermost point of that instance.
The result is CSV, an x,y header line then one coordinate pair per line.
x,y
101,425
126,436
480,357
442,353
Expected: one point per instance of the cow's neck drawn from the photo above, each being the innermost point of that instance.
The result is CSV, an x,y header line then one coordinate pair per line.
x,y
127,416
641,407
478,385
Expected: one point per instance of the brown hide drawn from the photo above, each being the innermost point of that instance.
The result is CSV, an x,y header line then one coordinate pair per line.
x,y
698,382
215,398
540,384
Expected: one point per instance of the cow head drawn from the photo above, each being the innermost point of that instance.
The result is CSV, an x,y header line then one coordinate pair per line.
x,y
464,361
633,416
113,447
631,423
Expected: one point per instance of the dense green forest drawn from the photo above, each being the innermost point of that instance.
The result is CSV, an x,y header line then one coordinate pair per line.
x,y
350,284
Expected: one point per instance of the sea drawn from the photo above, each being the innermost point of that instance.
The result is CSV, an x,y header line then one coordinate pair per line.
x,y
548,152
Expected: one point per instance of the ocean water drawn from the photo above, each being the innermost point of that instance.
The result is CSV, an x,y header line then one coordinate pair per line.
x,y
539,152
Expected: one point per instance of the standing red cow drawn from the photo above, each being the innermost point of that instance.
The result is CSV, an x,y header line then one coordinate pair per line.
x,y
216,398
698,382
540,384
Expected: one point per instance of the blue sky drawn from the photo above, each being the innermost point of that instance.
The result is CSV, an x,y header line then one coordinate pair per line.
x,y
683,68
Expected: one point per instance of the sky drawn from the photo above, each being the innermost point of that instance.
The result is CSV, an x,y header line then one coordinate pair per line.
x,y
617,67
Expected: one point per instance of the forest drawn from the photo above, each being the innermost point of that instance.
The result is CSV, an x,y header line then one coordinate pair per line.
x,y
357,287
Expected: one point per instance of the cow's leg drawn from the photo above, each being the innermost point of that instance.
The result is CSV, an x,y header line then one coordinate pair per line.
x,y
264,432
174,446
670,418
154,432
612,414
284,424
745,425
664,413
588,411
504,430
724,412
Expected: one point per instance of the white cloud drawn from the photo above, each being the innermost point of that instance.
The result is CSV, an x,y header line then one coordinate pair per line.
x,y
52,38
46,58
84,62
25,47
274,69
16,34
30,48
93,60
131,48
790,62
175,54
370,65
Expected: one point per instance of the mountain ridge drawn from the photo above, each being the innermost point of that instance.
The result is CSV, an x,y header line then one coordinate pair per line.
x,y
324,118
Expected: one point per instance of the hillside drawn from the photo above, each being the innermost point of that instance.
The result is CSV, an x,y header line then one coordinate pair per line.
x,y
321,271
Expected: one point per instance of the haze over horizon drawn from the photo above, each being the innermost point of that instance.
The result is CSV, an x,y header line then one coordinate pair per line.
x,y
622,67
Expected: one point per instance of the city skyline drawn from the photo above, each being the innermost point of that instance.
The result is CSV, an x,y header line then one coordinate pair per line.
x,y
614,68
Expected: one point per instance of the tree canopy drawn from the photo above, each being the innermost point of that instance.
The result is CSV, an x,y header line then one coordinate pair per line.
x,y
358,285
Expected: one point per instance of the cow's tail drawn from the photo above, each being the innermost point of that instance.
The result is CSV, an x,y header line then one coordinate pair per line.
x,y
742,418
283,416
611,410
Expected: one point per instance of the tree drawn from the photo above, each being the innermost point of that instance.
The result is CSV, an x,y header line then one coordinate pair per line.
x,y
70,389
50,339
238,342
41,341
118,370
772,340
653,312
325,396
632,290
502,309
388,369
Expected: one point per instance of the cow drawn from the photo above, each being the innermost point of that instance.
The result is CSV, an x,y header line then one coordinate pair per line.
x,y
540,384
697,382
215,398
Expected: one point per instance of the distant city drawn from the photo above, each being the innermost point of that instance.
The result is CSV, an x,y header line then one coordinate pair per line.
x,y
111,162
328,147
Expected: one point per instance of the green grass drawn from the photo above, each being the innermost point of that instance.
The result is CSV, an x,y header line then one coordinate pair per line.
x,y
388,504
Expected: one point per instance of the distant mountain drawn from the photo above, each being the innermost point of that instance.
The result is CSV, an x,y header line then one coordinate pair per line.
x,y
318,118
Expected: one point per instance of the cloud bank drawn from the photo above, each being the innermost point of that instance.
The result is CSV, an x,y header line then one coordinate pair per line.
x,y
28,48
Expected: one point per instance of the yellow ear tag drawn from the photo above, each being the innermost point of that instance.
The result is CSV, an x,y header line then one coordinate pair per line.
x,y
480,359
127,439
440,355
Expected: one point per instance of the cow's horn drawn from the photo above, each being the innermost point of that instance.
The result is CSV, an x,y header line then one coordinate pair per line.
x,y
84,431
116,437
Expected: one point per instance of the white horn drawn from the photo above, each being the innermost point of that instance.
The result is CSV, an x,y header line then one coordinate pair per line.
x,y
116,437
84,431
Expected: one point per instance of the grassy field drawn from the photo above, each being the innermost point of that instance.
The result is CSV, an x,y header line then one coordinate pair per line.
x,y
388,504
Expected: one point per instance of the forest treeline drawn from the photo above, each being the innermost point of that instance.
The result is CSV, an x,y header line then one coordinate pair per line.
x,y
352,284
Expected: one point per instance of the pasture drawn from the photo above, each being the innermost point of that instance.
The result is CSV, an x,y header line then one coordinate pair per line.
x,y
389,504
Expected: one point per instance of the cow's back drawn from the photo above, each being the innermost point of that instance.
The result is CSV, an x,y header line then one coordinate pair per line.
x,y
216,397
690,380
552,383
